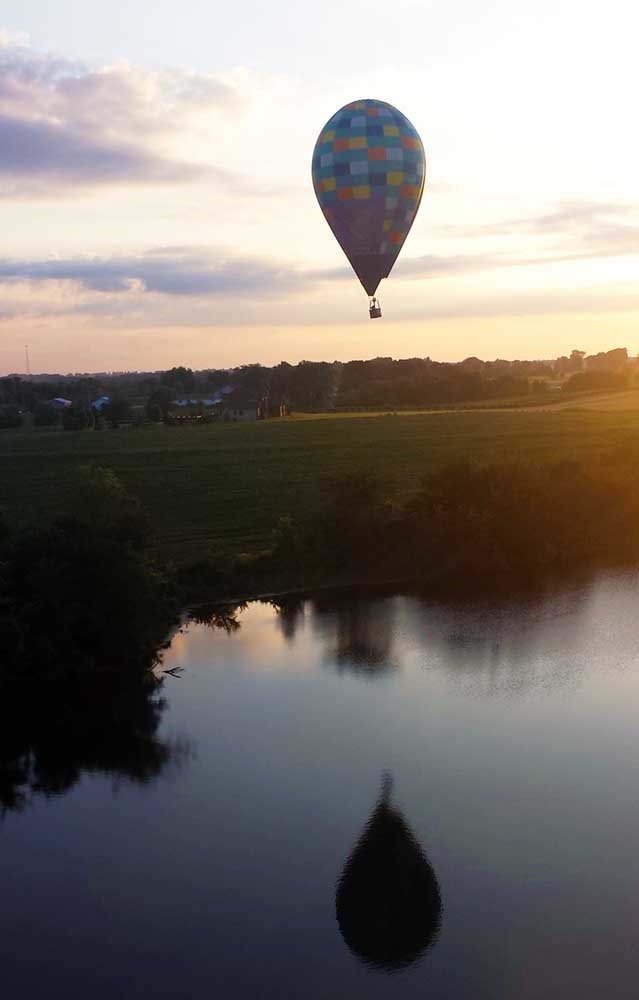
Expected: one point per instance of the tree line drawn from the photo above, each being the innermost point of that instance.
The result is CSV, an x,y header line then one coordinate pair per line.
x,y
381,382
470,525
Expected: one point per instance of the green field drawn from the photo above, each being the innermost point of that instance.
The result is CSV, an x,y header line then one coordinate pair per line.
x,y
224,487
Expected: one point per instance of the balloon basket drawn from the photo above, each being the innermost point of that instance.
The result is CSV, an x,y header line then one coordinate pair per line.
x,y
374,309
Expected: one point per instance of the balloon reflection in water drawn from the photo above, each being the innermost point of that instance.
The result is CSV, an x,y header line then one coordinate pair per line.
x,y
388,901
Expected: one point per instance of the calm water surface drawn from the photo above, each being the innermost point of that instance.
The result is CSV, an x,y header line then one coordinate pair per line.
x,y
487,754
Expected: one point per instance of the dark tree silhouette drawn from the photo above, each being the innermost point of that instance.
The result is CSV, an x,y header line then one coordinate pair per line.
x,y
364,631
219,616
48,741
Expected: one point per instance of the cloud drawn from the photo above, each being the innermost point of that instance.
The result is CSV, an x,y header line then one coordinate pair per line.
x,y
451,265
209,272
548,302
601,228
36,156
212,286
137,311
65,127
177,271
17,39
10,312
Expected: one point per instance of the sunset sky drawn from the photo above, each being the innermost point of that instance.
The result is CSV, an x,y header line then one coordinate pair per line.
x,y
156,200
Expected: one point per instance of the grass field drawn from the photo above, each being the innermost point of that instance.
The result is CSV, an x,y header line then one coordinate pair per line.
x,y
224,487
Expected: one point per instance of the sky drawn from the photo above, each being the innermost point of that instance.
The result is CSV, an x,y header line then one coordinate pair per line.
x,y
157,209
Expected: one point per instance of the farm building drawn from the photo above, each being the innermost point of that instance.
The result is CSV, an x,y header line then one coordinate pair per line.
x,y
229,405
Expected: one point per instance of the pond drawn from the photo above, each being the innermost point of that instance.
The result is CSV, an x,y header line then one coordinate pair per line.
x,y
360,796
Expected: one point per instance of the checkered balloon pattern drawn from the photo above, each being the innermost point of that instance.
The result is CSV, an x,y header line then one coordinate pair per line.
x,y
368,174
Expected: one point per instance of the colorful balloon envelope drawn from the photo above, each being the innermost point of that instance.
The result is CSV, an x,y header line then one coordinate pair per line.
x,y
368,173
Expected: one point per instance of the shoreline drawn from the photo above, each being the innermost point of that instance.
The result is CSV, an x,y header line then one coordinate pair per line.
x,y
438,586
306,592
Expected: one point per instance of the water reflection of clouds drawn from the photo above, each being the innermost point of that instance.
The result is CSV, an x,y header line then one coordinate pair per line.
x,y
497,648
513,647
257,643
351,634
506,647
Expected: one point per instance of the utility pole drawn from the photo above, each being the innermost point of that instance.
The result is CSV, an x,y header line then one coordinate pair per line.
x,y
26,358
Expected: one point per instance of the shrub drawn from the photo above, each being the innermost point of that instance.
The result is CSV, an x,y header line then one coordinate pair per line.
x,y
10,417
76,418
117,411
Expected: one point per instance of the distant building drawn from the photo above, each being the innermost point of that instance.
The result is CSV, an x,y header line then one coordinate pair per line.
x,y
230,404
99,404
241,405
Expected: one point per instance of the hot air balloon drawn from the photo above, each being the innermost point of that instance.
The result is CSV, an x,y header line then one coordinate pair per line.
x,y
368,174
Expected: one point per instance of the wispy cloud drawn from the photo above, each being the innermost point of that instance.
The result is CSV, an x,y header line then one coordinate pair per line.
x,y
174,271
595,226
448,266
38,156
210,285
16,39
207,272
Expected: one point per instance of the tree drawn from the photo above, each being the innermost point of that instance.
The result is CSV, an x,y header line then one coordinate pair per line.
x,y
608,361
162,397
76,417
45,415
595,380
117,411
179,378
82,595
